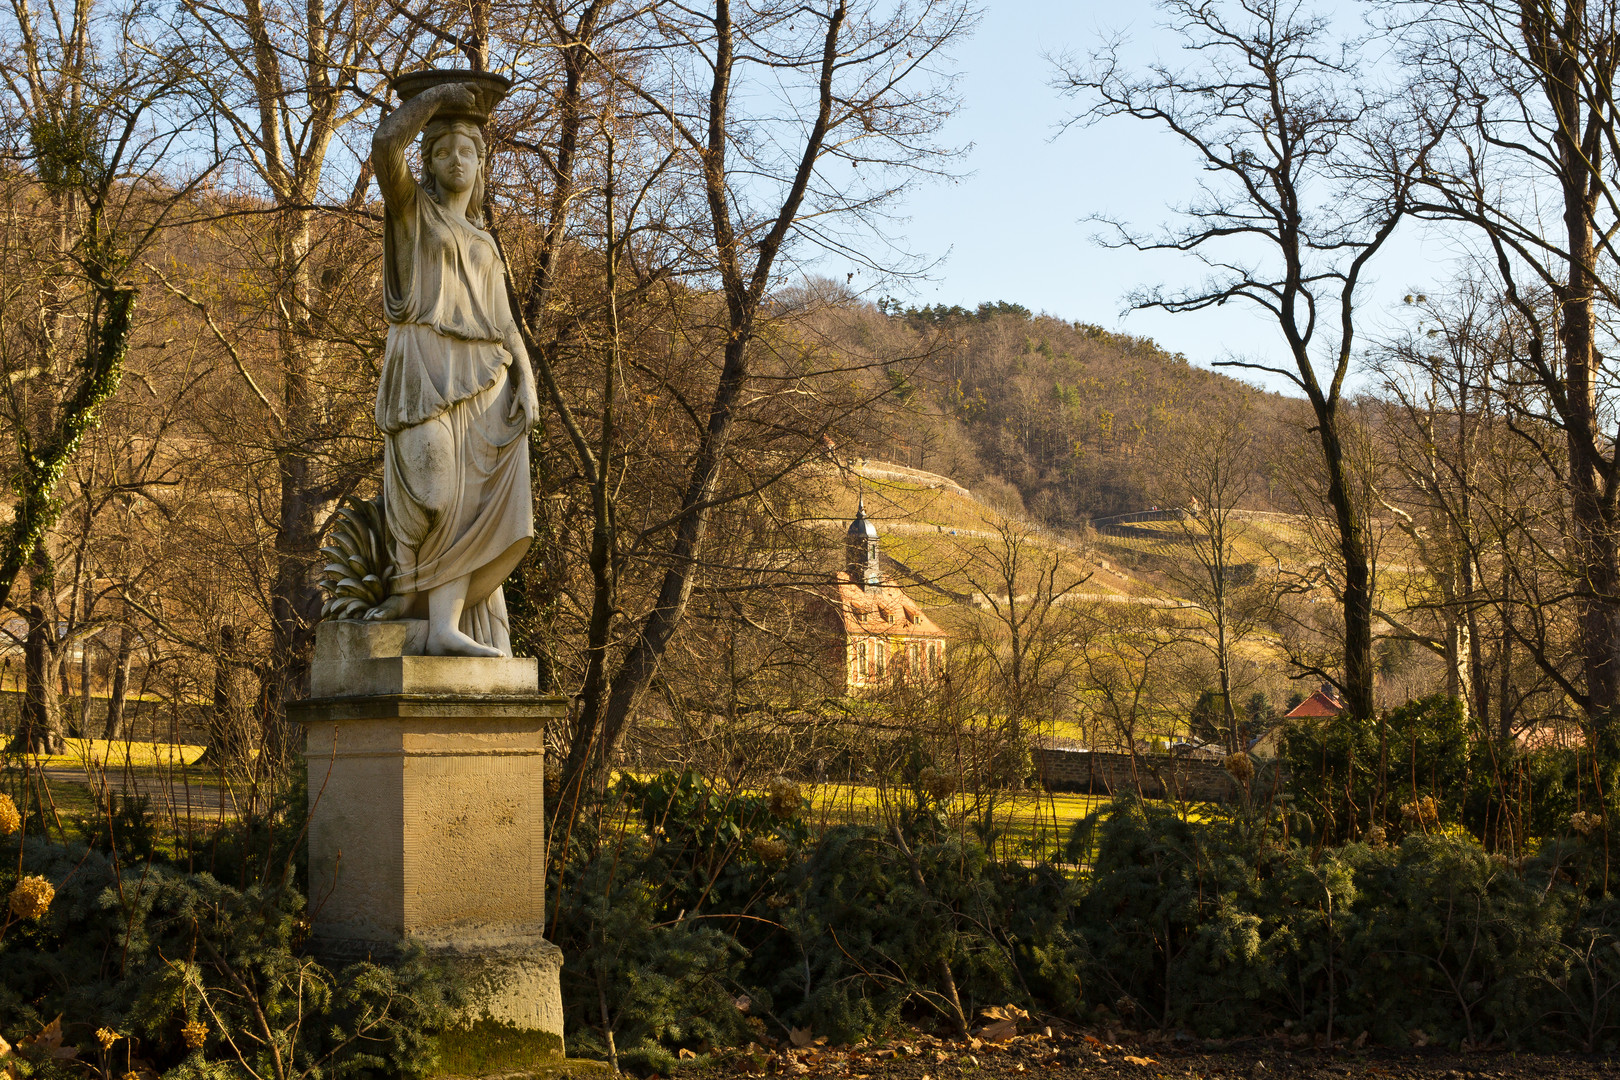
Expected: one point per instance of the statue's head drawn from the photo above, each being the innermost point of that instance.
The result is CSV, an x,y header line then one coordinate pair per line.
x,y
453,161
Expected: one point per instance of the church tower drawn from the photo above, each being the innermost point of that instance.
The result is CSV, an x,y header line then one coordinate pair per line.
x,y
861,556
882,635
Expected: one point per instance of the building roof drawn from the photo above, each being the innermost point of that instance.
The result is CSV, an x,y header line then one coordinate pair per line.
x,y
880,609
1317,705
862,526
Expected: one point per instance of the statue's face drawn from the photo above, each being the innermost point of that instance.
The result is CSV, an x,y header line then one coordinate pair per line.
x,y
455,162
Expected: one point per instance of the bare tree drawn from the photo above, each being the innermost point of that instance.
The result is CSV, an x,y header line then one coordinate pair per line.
x,y
863,93
1476,487
94,124
1204,471
1533,174
1309,175
286,84
1027,645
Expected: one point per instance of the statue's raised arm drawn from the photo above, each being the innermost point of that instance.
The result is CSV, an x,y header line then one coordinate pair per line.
x,y
398,128
456,398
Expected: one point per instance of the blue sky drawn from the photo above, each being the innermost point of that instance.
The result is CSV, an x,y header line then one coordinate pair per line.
x,y
1013,229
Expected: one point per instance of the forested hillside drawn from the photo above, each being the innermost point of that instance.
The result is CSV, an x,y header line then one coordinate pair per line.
x,y
1061,419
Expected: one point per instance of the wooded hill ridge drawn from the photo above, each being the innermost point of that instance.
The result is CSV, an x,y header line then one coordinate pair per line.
x,y
1053,418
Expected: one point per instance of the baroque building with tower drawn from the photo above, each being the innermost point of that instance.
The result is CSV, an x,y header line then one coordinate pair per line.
x,y
881,634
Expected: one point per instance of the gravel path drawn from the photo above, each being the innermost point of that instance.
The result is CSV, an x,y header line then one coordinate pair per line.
x,y
168,796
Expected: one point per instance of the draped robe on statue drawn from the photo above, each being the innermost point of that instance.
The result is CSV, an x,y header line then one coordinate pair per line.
x,y
446,364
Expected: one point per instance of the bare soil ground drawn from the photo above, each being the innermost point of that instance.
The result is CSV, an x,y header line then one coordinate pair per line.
x,y
1090,1057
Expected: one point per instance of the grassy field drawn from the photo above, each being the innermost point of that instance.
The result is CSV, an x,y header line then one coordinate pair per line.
x,y
102,754
1027,825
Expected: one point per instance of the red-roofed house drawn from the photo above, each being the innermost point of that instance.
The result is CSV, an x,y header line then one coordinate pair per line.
x,y
884,635
1318,705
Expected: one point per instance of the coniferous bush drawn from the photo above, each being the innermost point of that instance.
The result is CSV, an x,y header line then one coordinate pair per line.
x,y
198,979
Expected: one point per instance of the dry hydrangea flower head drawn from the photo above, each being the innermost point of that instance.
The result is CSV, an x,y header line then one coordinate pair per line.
x,y
106,1037
939,785
32,897
784,797
768,849
195,1033
1584,823
10,820
1424,812
1241,766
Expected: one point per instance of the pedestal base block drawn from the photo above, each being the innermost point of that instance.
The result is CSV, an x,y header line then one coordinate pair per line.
x,y
516,985
427,818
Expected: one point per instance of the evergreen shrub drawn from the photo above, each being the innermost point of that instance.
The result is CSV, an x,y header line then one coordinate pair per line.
x,y
1225,926
197,979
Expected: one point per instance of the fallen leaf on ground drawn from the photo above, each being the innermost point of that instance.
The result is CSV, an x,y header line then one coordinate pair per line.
x,y
801,1037
50,1039
1131,1059
50,1036
685,1054
1000,1031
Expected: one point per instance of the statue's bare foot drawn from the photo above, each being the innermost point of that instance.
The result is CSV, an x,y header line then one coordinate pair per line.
x,y
454,643
390,609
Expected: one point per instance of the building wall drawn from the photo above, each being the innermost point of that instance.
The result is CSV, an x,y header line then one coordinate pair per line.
x,y
870,659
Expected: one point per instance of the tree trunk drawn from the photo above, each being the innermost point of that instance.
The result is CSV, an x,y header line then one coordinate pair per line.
x,y
224,738
1590,513
123,660
1223,661
82,724
1358,586
1591,492
1504,661
295,599
41,729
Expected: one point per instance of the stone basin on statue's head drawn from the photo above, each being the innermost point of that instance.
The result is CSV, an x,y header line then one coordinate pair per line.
x,y
490,86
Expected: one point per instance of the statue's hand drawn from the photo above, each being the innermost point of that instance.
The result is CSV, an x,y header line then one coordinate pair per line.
x,y
525,401
458,97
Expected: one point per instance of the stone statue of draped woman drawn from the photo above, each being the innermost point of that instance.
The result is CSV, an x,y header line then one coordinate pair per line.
x,y
457,397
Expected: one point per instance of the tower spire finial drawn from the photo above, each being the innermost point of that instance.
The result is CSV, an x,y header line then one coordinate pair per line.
x,y
861,549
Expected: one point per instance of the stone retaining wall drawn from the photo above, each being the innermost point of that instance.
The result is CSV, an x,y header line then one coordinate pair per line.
x,y
1155,776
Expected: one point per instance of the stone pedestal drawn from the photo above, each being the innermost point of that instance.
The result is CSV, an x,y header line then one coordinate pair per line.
x,y
427,816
